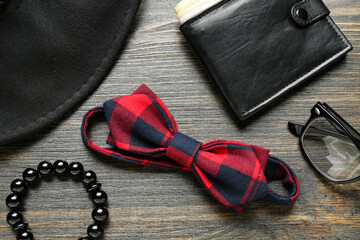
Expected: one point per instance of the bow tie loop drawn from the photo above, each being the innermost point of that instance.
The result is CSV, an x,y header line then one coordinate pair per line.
x,y
142,130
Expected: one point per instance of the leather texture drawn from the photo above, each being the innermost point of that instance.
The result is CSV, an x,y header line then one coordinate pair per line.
x,y
312,9
254,51
53,54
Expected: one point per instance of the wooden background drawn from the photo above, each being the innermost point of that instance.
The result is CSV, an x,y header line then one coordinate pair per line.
x,y
150,203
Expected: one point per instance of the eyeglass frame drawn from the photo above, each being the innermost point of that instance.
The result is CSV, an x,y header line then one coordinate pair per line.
x,y
325,111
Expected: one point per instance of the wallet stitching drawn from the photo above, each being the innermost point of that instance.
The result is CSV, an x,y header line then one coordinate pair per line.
x,y
347,46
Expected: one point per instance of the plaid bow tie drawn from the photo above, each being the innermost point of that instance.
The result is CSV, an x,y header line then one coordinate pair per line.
x,y
143,131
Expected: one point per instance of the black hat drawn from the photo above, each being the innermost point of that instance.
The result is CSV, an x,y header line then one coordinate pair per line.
x,y
52,55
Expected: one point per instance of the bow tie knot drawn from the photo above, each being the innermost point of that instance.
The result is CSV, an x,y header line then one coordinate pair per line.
x,y
183,149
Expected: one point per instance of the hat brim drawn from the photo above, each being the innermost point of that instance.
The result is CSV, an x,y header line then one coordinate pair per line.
x,y
53,54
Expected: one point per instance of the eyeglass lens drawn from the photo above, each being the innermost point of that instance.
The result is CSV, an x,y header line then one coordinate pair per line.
x,y
331,150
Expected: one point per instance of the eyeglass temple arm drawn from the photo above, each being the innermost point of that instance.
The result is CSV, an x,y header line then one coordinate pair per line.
x,y
296,130
352,131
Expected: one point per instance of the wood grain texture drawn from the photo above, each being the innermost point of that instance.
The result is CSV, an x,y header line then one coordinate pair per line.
x,y
150,203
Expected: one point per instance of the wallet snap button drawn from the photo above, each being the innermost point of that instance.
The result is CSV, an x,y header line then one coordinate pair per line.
x,y
302,14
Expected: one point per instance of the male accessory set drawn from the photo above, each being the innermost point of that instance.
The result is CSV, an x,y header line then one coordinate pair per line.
x,y
142,130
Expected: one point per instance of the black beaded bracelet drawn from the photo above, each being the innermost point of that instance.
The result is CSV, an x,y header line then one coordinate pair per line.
x,y
14,201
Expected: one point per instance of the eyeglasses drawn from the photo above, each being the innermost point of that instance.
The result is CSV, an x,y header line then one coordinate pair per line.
x,y
330,144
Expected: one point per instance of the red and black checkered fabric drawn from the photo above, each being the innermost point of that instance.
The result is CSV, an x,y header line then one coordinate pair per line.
x,y
142,130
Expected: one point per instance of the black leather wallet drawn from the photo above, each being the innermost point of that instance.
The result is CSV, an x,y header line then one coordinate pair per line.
x,y
256,50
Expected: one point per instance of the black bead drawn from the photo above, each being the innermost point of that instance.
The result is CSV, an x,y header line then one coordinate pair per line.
x,y
100,214
25,235
95,230
45,168
13,201
20,226
89,176
99,197
18,186
30,175
60,166
93,186
14,217
76,168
